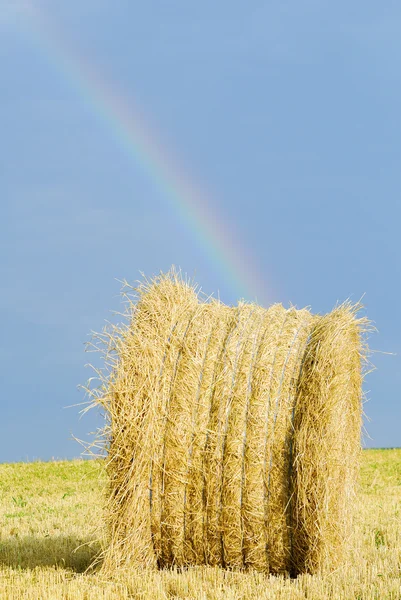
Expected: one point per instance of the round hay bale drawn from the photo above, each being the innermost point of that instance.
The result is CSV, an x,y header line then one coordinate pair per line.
x,y
234,433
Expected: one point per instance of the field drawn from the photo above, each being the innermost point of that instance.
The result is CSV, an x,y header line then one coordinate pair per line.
x,y
51,514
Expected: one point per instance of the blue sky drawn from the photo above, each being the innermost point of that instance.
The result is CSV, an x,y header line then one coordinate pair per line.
x,y
286,115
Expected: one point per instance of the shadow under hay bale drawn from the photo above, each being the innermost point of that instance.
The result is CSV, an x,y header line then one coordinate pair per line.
x,y
234,433
65,551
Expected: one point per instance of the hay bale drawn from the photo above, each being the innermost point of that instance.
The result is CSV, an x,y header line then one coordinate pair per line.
x,y
234,432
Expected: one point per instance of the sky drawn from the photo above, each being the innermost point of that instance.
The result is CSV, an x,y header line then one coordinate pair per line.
x,y
257,146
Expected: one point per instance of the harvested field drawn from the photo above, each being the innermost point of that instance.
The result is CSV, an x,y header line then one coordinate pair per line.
x,y
47,510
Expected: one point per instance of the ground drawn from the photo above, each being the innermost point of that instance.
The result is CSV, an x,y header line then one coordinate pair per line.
x,y
51,515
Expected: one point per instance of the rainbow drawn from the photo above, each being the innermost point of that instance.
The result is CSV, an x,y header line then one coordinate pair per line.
x,y
133,133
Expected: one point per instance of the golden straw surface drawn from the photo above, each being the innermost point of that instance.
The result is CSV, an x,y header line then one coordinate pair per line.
x,y
234,432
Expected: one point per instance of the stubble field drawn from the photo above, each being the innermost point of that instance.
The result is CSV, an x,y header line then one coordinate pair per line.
x,y
51,516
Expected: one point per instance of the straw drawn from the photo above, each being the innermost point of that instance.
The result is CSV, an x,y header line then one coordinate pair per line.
x,y
233,433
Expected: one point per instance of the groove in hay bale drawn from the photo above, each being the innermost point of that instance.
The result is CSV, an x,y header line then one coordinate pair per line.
x,y
233,433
